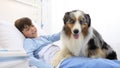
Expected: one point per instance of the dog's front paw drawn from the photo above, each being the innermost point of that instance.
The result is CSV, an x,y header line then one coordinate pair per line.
x,y
57,59
59,56
55,62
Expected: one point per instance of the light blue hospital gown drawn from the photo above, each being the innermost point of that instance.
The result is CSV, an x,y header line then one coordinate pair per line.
x,y
41,50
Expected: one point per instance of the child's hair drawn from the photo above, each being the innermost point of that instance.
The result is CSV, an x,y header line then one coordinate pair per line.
x,y
21,23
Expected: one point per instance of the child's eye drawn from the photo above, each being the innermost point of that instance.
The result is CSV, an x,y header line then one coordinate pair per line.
x,y
32,25
27,28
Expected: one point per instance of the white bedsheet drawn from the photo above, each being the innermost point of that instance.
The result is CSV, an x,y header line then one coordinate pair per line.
x,y
21,63
13,59
12,53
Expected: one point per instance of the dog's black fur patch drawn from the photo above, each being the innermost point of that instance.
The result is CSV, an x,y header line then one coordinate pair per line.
x,y
112,55
92,45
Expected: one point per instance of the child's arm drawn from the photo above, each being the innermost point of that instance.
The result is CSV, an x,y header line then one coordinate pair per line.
x,y
54,37
29,48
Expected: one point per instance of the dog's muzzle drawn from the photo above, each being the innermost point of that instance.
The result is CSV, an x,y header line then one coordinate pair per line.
x,y
76,33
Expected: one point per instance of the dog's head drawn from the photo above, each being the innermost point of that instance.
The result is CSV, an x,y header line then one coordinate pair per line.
x,y
76,22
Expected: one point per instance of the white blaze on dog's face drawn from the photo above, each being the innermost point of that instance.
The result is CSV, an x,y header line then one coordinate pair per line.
x,y
76,23
76,29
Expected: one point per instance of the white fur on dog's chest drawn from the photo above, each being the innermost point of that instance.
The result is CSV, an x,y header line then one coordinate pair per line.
x,y
75,46
76,49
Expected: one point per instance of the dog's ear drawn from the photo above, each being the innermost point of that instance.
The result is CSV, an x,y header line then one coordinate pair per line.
x,y
87,19
66,17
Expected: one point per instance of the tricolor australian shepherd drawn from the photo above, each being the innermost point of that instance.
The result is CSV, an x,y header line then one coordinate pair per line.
x,y
80,39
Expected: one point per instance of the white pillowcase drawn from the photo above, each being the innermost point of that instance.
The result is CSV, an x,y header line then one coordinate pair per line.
x,y
10,37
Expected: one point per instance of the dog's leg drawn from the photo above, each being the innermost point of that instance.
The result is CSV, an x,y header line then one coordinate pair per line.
x,y
60,55
98,53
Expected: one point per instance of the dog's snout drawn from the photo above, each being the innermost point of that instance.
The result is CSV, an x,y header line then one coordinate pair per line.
x,y
76,31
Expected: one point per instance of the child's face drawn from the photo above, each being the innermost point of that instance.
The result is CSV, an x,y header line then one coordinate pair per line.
x,y
30,31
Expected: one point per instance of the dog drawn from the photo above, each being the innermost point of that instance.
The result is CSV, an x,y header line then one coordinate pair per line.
x,y
80,39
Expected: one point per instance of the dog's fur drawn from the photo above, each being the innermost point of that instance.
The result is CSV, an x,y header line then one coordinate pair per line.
x,y
80,39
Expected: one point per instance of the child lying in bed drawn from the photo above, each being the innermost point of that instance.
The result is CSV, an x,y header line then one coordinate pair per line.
x,y
40,50
37,48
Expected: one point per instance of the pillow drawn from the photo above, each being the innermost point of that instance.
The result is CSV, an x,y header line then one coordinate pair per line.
x,y
10,37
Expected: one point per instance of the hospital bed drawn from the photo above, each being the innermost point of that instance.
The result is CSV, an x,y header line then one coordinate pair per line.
x,y
13,59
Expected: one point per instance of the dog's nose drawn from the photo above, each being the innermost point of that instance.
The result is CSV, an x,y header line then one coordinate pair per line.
x,y
76,31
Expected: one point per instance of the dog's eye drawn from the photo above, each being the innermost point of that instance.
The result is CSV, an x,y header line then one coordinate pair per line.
x,y
81,21
72,21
